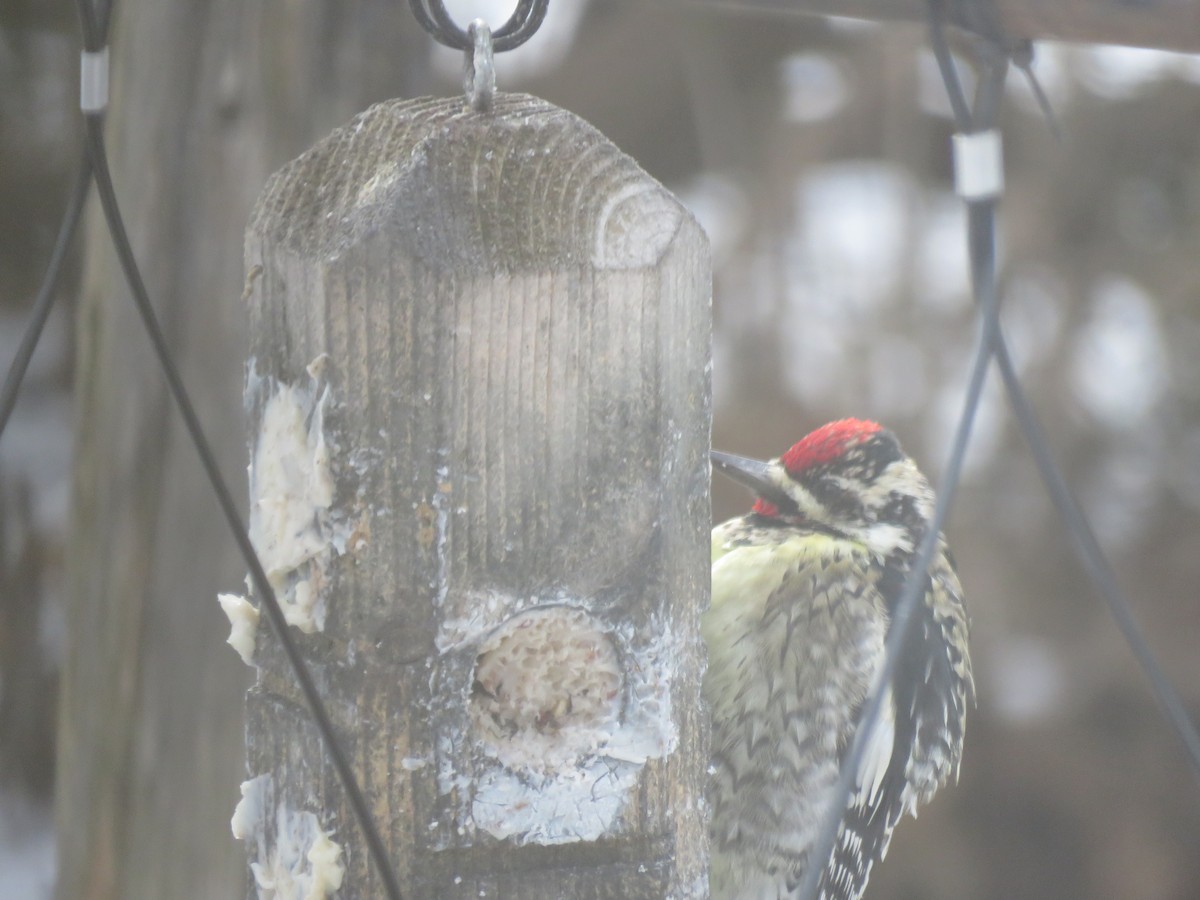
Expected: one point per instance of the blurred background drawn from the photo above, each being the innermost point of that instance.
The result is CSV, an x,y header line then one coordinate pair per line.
x,y
815,152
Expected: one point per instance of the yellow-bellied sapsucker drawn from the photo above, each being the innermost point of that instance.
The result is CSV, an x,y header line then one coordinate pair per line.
x,y
803,592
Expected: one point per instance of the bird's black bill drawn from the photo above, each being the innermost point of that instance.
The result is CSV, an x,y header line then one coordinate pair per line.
x,y
753,473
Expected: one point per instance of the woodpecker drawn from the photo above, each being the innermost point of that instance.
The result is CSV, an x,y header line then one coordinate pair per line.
x,y
804,588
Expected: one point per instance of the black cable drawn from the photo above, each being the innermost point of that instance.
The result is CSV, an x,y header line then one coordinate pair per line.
x,y
525,20
914,587
47,293
1083,539
945,61
1094,561
95,27
95,30
225,500
93,123
982,245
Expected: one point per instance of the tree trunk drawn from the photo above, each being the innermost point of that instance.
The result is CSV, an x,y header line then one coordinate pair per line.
x,y
208,98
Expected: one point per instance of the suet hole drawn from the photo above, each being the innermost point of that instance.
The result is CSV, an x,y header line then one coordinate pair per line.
x,y
547,689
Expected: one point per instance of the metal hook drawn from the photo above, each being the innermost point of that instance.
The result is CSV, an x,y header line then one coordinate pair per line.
x,y
479,79
521,25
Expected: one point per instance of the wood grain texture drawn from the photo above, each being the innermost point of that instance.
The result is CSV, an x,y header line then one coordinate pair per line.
x,y
1161,24
517,324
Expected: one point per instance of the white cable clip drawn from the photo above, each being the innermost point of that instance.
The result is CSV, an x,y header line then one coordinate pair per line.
x,y
93,80
979,165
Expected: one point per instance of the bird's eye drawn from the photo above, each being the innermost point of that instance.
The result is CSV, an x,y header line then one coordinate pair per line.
x,y
901,508
839,500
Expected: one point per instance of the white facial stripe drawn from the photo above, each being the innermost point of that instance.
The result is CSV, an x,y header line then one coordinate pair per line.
x,y
900,477
886,538
799,494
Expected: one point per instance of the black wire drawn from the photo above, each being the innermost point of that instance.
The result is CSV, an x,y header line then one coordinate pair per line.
x,y
95,27
525,20
47,293
945,61
898,633
1094,561
915,584
258,576
95,30
1083,539
93,123
1022,59
521,25
982,251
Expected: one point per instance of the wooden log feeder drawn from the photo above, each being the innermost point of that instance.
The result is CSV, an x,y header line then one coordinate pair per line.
x,y
480,409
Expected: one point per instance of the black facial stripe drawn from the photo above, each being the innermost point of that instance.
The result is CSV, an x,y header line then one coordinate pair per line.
x,y
793,521
877,454
841,503
902,510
